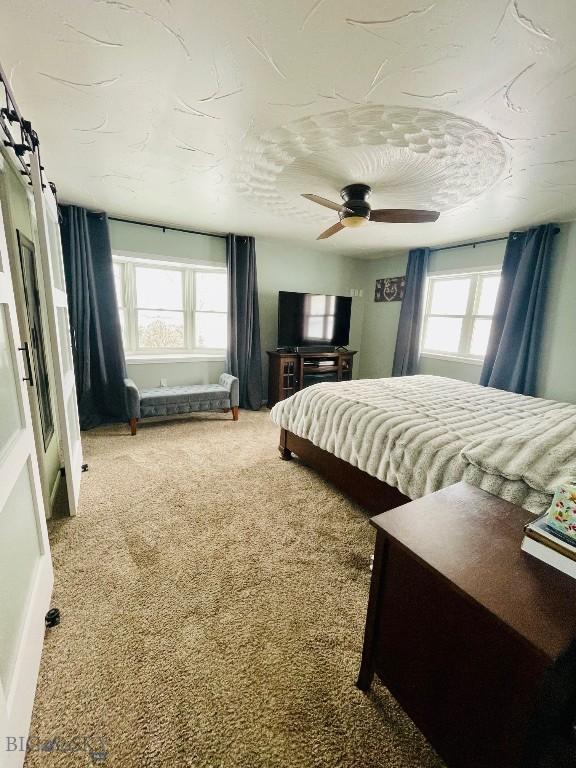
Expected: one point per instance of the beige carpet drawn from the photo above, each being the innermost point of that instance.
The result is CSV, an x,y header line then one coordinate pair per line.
x,y
213,601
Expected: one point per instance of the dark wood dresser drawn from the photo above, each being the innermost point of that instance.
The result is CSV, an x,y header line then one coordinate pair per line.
x,y
462,624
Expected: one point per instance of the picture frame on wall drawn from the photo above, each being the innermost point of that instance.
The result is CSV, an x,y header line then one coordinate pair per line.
x,y
390,289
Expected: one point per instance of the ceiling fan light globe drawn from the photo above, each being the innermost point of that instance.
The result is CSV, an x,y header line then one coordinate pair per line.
x,y
354,221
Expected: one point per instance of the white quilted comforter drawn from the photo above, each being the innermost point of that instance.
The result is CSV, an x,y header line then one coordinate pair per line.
x,y
422,433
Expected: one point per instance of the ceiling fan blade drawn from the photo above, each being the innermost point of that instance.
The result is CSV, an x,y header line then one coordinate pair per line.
x,y
327,203
330,231
403,215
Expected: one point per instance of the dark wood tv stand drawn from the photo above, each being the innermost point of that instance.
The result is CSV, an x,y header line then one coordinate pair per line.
x,y
289,372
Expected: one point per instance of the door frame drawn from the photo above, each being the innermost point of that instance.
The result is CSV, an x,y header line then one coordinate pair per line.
x,y
10,235
18,456
60,342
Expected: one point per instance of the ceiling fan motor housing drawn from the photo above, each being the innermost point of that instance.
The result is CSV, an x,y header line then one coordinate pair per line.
x,y
355,198
356,211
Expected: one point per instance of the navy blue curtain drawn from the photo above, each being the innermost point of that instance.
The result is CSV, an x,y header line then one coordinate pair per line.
x,y
511,362
407,350
99,362
244,355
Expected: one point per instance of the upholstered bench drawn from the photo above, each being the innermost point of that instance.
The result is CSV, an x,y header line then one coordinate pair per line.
x,y
169,401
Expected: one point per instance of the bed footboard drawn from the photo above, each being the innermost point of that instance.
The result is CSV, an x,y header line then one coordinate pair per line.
x,y
371,493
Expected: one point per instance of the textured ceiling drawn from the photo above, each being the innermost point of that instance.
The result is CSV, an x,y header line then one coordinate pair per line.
x,y
215,116
409,156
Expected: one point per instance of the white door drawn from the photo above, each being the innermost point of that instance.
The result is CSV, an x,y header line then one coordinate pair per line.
x,y
60,343
25,564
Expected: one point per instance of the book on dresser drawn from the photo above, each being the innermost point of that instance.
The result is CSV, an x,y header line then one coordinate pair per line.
x,y
550,545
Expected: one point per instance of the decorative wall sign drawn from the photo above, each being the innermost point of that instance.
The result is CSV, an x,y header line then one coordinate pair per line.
x,y
390,289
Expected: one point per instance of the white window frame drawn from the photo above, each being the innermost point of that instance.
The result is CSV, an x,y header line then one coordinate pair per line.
x,y
137,354
471,313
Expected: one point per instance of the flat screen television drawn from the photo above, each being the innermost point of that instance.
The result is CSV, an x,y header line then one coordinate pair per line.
x,y
313,319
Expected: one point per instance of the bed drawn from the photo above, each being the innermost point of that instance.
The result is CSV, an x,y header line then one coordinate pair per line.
x,y
385,441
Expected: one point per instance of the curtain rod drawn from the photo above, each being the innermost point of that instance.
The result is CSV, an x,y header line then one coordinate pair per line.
x,y
480,242
466,245
164,227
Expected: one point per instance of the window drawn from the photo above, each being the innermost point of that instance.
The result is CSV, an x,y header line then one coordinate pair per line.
x,y
39,372
170,308
118,282
458,314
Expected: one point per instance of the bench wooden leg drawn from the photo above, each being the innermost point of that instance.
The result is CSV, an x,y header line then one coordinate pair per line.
x,y
133,423
235,410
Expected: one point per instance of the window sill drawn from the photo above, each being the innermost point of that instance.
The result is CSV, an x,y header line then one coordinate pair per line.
x,y
453,358
184,358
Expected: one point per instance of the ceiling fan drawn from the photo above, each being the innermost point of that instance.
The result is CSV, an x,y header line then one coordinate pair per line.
x,y
355,211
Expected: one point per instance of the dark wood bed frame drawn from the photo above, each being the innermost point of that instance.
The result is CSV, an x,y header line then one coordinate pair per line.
x,y
373,494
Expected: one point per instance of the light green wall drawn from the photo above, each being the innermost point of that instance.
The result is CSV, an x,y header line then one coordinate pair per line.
x,y
157,242
147,375
169,244
379,319
288,267
557,378
452,369
482,256
17,217
281,267
293,267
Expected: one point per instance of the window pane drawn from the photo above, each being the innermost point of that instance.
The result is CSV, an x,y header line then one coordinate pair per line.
x,y
38,345
211,330
160,330
65,342
449,297
122,316
211,291
442,334
488,291
158,288
480,334
118,283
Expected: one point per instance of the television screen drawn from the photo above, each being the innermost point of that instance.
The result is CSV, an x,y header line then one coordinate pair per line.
x,y
313,319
